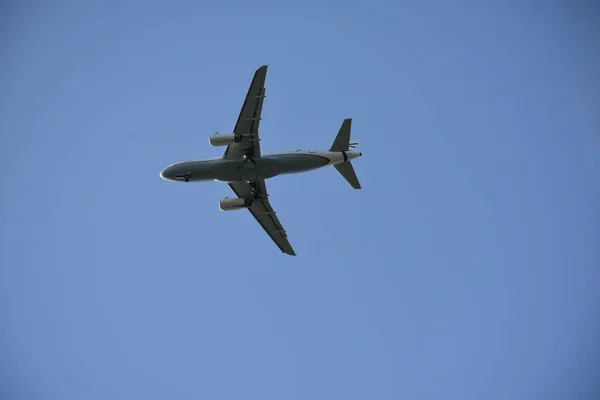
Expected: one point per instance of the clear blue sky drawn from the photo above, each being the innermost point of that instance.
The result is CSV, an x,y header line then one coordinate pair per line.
x,y
466,268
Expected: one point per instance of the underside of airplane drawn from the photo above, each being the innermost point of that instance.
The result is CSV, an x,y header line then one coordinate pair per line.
x,y
245,169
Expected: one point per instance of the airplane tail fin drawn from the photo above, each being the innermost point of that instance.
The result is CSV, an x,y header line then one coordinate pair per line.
x,y
342,143
342,140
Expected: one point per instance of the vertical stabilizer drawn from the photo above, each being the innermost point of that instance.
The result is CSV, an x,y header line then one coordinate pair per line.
x,y
342,140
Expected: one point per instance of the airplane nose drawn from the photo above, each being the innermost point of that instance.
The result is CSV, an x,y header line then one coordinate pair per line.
x,y
165,174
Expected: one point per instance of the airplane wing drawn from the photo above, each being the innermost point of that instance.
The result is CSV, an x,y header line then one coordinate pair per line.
x,y
249,117
262,211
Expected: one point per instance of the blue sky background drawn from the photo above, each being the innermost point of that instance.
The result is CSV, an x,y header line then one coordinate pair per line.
x,y
466,268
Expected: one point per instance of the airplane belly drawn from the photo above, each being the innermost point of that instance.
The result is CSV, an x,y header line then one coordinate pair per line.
x,y
292,163
198,171
259,168
228,172
243,170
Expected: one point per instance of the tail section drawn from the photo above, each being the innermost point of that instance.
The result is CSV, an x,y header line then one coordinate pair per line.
x,y
342,143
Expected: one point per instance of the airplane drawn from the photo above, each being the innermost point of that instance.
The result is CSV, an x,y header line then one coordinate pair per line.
x,y
245,169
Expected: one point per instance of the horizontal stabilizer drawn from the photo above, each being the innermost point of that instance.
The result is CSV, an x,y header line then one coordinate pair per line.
x,y
346,170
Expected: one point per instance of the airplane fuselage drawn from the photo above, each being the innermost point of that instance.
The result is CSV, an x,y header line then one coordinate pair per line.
x,y
264,167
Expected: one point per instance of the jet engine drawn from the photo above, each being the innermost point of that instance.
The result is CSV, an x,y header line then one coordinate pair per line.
x,y
228,204
224,139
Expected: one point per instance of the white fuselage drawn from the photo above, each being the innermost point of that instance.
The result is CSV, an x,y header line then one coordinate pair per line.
x,y
264,167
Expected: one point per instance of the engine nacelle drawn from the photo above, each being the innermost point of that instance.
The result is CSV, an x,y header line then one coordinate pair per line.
x,y
228,204
224,139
